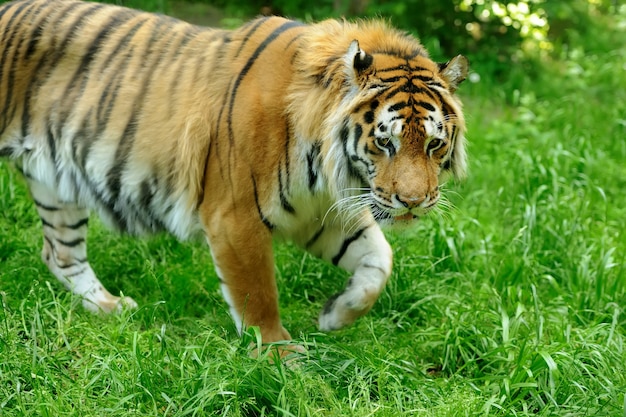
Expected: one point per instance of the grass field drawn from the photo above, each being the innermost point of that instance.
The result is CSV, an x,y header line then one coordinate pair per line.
x,y
510,305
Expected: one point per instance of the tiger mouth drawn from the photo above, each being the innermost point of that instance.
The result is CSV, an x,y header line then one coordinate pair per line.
x,y
408,216
385,214
386,217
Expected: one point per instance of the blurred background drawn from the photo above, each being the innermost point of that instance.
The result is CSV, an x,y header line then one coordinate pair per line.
x,y
493,34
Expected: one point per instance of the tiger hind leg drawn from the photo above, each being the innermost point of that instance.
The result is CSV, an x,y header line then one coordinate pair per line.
x,y
65,250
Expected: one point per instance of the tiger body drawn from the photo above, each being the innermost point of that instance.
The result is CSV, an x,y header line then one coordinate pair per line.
x,y
311,133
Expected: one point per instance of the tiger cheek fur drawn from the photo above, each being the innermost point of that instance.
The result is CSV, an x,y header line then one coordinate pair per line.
x,y
310,133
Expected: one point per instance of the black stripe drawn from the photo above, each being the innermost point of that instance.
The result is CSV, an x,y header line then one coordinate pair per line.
x,y
5,8
121,44
248,35
372,267
287,149
217,135
390,93
35,33
344,246
84,137
45,206
6,151
204,172
77,139
264,219
178,46
281,193
328,307
399,54
244,71
51,244
52,145
356,158
312,160
447,165
344,134
178,65
74,274
145,195
114,176
313,239
423,78
50,60
78,224
326,77
110,92
392,80
398,106
10,31
425,105
108,100
79,20
71,243
294,39
112,25
44,222
33,36
358,132
79,79
65,266
352,171
403,67
199,66
432,93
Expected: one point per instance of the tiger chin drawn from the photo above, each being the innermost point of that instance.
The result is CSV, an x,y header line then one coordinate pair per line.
x,y
278,129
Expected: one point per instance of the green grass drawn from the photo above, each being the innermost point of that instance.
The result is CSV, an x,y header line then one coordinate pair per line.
x,y
512,305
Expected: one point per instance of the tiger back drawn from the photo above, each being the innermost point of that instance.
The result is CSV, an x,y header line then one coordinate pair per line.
x,y
313,133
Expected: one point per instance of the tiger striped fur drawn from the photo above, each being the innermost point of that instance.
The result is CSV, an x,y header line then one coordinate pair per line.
x,y
312,133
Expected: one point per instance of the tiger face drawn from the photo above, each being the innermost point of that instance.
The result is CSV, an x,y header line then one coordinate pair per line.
x,y
401,140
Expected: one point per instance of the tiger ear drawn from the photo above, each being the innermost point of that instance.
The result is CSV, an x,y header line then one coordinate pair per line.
x,y
359,62
454,71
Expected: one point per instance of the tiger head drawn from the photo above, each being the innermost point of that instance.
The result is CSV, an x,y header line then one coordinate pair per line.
x,y
398,129
405,135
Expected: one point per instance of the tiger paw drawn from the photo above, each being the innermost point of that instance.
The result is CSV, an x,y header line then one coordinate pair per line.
x,y
340,311
289,354
107,304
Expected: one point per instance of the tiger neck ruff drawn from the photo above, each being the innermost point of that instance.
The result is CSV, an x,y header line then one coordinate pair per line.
x,y
313,133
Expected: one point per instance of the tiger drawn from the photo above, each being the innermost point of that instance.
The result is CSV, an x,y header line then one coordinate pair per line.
x,y
320,134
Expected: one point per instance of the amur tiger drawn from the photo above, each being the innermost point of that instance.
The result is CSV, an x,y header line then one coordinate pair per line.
x,y
315,133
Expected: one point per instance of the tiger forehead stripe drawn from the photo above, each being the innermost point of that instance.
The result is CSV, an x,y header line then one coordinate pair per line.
x,y
404,67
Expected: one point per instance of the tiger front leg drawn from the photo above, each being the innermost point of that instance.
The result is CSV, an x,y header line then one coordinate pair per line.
x,y
368,256
65,250
241,246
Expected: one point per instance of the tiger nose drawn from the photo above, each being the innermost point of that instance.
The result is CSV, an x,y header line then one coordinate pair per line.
x,y
410,202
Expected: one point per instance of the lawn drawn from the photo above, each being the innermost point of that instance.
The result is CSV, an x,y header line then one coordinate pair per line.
x,y
510,304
